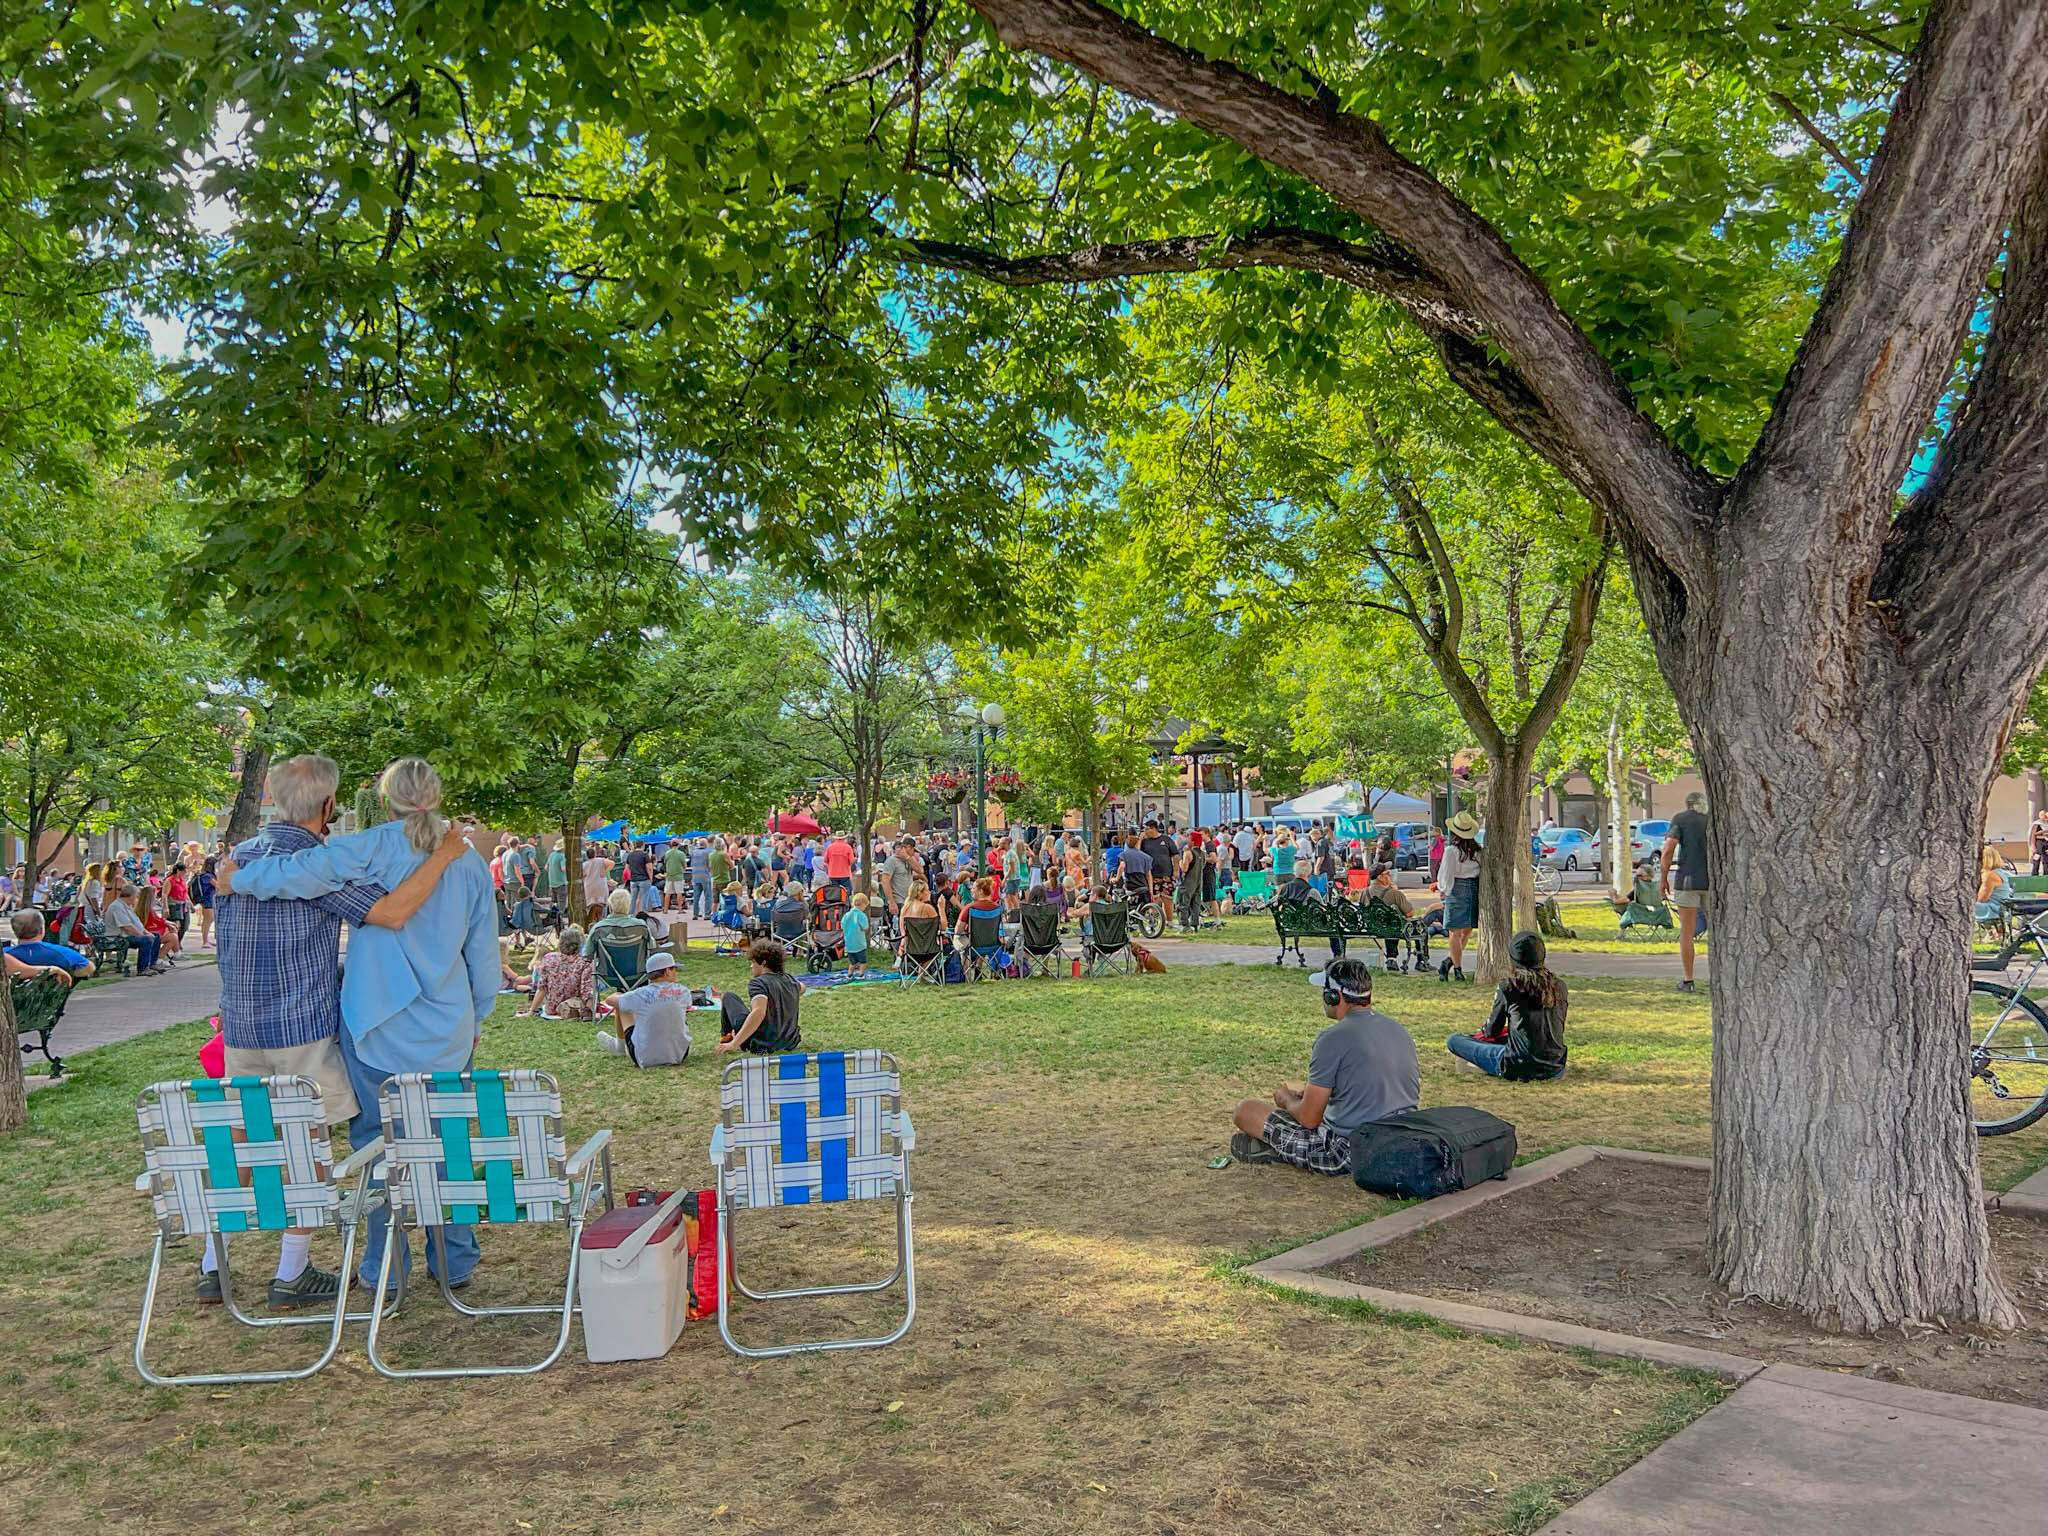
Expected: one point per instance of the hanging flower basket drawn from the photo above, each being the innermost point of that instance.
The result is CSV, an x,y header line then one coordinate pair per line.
x,y
1004,786
946,786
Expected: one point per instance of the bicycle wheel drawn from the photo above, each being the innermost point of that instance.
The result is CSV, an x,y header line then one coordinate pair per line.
x,y
1152,919
1548,881
2008,1059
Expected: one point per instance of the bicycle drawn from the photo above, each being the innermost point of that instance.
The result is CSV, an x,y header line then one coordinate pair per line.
x,y
2009,1037
1147,911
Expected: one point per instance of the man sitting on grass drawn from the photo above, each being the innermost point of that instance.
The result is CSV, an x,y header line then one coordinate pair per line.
x,y
653,1019
1362,1067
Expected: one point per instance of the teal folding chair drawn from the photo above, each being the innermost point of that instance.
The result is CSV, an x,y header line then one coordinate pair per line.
x,y
484,1146
236,1155
821,1129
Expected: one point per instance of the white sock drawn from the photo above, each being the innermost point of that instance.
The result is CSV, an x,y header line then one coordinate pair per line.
x,y
209,1261
293,1254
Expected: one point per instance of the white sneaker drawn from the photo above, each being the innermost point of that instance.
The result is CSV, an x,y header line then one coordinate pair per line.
x,y
611,1042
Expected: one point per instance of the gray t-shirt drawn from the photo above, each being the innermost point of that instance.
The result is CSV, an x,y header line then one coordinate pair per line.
x,y
1689,869
1368,1063
896,879
659,1013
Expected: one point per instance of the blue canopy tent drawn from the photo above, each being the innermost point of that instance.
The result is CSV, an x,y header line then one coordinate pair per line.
x,y
658,835
610,832
693,836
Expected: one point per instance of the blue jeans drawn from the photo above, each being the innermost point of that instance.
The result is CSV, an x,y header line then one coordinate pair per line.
x,y
701,898
147,948
454,1247
1483,1054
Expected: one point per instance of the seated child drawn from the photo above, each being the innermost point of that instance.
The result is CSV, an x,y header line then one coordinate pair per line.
x,y
854,926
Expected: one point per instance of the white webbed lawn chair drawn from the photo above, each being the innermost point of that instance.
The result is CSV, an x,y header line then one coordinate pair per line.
x,y
484,1146
810,1130
238,1155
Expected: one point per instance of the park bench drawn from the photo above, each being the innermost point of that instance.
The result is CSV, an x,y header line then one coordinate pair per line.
x,y
1312,917
39,1002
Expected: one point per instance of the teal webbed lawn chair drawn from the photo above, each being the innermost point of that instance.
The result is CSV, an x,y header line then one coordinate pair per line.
x,y
241,1155
820,1129
484,1146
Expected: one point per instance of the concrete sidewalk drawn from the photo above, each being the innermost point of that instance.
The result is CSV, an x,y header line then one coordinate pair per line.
x,y
1797,1452
121,1010
1621,967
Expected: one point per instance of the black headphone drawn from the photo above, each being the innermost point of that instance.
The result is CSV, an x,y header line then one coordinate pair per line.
x,y
1337,972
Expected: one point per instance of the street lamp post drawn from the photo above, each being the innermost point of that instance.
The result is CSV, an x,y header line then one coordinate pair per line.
x,y
987,721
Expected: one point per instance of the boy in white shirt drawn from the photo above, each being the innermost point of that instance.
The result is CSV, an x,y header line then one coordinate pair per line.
x,y
653,1019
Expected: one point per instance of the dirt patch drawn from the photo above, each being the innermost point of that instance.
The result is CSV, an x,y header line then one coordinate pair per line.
x,y
1621,1245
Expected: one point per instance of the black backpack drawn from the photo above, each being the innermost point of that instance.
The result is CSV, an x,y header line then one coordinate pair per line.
x,y
1430,1152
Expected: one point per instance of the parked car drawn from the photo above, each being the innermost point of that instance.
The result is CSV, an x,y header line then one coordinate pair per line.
x,y
1569,848
1648,841
1411,844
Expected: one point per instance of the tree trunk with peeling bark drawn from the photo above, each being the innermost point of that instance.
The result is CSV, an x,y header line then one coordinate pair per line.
x,y
1847,666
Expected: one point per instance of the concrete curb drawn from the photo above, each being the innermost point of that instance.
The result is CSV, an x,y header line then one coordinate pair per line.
x,y
1295,1269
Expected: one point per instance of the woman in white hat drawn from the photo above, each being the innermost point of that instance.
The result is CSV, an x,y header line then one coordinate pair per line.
x,y
1457,878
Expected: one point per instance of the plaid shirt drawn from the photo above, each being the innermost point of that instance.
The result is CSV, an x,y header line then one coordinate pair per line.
x,y
280,961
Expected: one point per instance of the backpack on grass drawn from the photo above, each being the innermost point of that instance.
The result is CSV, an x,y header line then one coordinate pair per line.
x,y
1431,1152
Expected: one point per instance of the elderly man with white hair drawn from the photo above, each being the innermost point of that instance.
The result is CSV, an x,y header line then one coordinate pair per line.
x,y
280,983
413,1000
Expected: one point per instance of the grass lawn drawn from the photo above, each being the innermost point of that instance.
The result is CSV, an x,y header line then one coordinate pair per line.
x,y
1598,926
1085,1357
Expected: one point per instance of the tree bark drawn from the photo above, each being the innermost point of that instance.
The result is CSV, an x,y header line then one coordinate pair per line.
x,y
1620,851
247,813
572,869
1507,894
13,1086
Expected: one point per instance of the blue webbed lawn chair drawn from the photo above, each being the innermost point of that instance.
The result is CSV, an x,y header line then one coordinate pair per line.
x,y
809,1130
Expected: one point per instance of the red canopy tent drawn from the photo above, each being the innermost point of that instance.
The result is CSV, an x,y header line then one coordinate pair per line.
x,y
796,823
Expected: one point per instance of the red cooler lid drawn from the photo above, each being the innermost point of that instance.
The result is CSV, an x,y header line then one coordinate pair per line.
x,y
615,1226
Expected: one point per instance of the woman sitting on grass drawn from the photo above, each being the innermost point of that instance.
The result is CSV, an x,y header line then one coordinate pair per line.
x,y
564,980
1523,1040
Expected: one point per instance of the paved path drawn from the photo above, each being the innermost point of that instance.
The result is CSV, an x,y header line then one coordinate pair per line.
x,y
1796,1452
1625,967
121,1010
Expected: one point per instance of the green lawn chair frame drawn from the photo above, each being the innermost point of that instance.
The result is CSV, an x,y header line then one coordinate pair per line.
x,y
1646,908
39,1003
201,1140
822,1129
1253,892
622,963
1106,948
499,1137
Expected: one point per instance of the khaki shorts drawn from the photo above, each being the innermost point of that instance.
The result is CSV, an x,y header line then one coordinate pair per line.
x,y
321,1061
1688,898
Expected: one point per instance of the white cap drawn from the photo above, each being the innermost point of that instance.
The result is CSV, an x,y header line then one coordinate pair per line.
x,y
664,961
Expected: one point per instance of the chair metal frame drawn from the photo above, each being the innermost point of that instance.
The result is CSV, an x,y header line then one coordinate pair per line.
x,y
1100,960
914,970
766,1110
194,1135
610,973
496,1129
1039,962
39,1004
978,963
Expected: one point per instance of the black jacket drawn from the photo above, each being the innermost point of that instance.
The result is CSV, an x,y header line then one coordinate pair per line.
x,y
1535,1034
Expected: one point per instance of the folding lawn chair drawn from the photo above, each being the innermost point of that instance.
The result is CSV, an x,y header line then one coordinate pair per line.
x,y
923,958
1646,908
1253,893
1106,951
244,1154
39,1002
622,962
805,1130
484,1146
1040,946
985,957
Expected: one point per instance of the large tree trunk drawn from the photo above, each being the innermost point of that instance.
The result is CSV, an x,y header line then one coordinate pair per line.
x,y
572,870
243,820
13,1087
1505,876
1848,789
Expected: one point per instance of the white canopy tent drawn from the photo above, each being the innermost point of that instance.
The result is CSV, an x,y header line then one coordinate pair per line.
x,y
1352,799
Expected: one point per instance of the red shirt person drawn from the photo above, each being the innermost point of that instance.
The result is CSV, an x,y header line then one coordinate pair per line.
x,y
839,860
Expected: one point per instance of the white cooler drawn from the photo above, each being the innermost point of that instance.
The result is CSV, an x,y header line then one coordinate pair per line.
x,y
633,1274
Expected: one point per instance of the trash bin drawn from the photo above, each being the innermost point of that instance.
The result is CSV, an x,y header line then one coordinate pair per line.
x,y
634,1276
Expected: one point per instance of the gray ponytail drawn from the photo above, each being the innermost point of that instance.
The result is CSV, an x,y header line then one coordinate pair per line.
x,y
413,790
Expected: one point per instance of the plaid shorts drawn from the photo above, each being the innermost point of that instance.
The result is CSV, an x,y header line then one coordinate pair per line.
x,y
1322,1150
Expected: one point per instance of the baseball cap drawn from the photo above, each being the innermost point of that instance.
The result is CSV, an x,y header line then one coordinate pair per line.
x,y
663,961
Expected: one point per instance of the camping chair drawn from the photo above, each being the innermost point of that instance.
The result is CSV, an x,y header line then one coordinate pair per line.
x,y
985,956
39,1002
791,926
622,960
244,1154
1040,944
923,957
807,1130
1106,951
1646,908
1254,891
483,1146
1357,882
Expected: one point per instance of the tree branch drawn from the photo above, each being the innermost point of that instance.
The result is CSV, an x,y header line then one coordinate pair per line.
x,y
1814,132
1615,453
1965,135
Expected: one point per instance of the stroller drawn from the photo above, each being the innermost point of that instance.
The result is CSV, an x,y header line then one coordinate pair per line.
x,y
826,941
